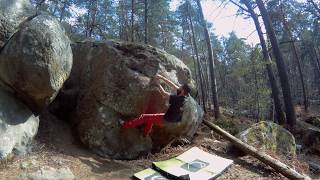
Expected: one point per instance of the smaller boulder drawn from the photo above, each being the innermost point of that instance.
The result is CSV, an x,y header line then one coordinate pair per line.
x,y
18,125
270,137
311,140
49,173
314,120
36,61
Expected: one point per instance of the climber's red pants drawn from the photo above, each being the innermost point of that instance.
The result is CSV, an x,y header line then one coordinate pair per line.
x,y
147,119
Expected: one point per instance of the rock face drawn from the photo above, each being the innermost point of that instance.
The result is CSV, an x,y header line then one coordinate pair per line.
x,y
18,125
36,61
49,173
12,14
111,81
271,137
191,119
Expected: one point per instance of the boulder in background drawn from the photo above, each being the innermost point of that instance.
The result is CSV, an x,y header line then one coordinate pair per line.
x,y
271,137
18,125
36,61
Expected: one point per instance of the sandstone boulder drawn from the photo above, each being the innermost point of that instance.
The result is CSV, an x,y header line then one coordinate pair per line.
x,y
36,61
49,173
113,81
314,120
18,125
12,14
311,140
270,137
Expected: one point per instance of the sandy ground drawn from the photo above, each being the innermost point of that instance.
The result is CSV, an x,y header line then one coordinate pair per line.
x,y
56,147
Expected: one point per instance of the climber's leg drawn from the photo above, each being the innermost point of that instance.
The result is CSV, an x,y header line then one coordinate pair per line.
x,y
147,119
151,120
135,122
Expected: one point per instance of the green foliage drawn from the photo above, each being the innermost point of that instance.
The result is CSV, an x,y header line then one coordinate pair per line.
x,y
242,79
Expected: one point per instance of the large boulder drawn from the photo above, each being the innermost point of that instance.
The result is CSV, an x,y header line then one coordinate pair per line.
x,y
18,125
36,61
12,14
270,137
113,81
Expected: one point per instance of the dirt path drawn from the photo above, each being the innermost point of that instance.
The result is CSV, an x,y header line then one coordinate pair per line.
x,y
55,147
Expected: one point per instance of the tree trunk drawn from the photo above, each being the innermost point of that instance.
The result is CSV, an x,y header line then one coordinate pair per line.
x,y
146,21
63,10
55,7
263,157
273,83
297,60
314,61
197,56
88,21
290,112
317,65
195,66
121,19
182,44
256,90
132,20
93,17
316,58
211,63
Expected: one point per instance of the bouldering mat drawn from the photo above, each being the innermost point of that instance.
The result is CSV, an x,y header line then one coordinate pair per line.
x,y
193,164
149,174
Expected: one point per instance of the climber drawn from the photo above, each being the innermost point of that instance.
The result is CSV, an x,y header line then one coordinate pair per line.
x,y
174,112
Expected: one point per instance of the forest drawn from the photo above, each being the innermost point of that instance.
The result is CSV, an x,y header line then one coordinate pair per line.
x,y
119,89
254,80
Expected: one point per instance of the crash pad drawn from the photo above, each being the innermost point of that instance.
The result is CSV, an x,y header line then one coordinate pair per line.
x,y
149,174
193,164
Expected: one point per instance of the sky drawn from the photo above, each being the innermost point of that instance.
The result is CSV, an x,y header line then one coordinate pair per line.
x,y
224,20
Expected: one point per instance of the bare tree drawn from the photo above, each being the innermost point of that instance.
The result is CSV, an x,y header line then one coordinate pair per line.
x,y
132,19
296,58
197,56
63,10
282,69
273,83
146,21
211,63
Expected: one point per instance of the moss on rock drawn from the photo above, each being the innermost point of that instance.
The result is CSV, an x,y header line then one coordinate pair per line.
x,y
270,137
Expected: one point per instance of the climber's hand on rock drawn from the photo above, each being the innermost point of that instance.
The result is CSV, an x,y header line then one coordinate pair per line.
x,y
158,76
155,81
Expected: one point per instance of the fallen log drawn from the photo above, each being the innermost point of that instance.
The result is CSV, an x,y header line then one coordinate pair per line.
x,y
263,157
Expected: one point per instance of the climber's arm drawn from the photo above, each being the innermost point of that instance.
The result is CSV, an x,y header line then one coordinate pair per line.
x,y
168,82
163,92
